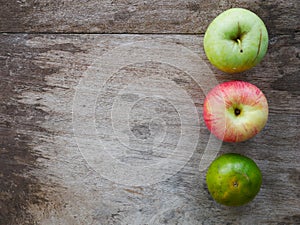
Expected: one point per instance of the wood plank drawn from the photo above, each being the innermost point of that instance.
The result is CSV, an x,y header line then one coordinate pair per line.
x,y
132,16
51,172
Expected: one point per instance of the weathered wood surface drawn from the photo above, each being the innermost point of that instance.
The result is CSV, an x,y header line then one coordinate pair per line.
x,y
132,16
71,101
45,178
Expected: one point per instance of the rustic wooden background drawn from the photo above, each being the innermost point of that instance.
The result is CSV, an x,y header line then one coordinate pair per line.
x,y
52,58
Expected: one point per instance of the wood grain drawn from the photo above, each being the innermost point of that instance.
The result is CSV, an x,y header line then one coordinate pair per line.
x,y
133,16
46,179
86,84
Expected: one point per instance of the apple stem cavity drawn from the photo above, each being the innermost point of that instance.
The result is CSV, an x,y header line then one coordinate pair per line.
x,y
237,112
235,184
239,37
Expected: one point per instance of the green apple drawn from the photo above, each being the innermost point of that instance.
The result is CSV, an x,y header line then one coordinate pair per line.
x,y
236,40
233,179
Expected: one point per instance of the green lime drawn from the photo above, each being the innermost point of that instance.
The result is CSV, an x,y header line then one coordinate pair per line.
x,y
233,179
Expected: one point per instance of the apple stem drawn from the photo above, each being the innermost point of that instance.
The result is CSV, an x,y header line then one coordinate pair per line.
x,y
240,45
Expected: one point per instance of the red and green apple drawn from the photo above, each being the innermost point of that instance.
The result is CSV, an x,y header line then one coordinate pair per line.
x,y
235,111
236,40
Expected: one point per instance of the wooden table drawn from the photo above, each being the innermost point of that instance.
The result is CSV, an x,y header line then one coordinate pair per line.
x,y
101,113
